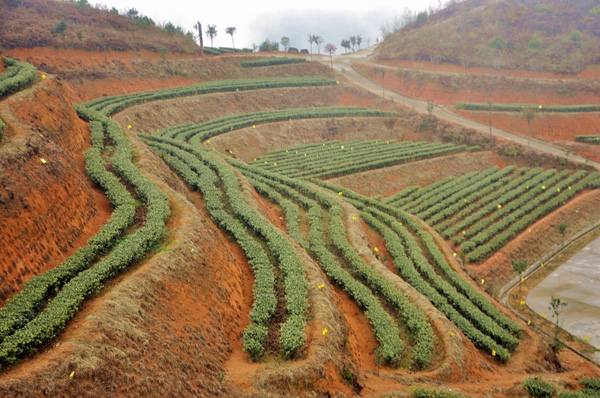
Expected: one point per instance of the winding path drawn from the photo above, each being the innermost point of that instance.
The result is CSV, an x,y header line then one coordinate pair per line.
x,y
344,63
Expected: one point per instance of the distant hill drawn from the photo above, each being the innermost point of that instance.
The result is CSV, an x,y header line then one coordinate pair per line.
x,y
560,36
77,25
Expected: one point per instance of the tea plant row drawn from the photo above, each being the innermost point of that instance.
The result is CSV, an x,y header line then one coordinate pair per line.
x,y
17,76
30,318
113,104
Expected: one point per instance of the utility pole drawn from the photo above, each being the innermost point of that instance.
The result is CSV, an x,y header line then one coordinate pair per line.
x,y
199,26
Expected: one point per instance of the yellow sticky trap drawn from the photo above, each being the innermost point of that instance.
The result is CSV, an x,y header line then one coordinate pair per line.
x,y
499,206
493,353
543,187
529,229
43,76
451,333
337,82
464,232
237,89
296,152
340,193
522,303
42,135
71,375
540,107
353,217
129,126
376,250
266,162
323,144
342,147
43,160
522,279
558,189
274,164
542,265
230,151
453,254
208,141
543,315
321,286
387,142
482,281
191,250
324,332
569,187
587,339
253,126
304,154
528,323
255,159
351,148
286,151
465,201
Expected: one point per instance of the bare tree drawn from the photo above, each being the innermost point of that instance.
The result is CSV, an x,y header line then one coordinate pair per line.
x,y
528,114
231,31
358,40
211,32
330,49
285,42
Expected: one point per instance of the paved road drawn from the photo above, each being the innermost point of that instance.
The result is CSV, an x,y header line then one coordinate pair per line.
x,y
343,63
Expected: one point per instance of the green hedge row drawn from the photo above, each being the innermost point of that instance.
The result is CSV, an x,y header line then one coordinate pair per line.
x,y
386,332
481,106
520,220
2,129
440,203
201,178
406,192
345,159
112,104
17,76
590,139
517,209
295,285
58,311
378,213
271,61
451,224
196,133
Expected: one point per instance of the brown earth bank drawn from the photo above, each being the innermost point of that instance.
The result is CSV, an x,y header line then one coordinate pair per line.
x,y
48,210
89,75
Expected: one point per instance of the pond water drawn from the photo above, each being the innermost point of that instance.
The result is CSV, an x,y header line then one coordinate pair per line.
x,y
576,282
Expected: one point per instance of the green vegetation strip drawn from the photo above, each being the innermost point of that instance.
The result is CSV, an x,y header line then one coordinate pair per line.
x,y
295,285
17,76
29,332
335,159
113,104
271,61
196,133
480,320
415,320
482,106
589,139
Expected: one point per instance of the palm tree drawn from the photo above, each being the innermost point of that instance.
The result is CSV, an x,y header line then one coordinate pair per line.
x,y
211,32
231,31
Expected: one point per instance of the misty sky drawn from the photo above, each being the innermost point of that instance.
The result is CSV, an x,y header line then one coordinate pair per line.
x,y
258,20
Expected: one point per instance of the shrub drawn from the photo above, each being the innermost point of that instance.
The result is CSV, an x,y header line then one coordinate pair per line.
x,y
537,388
499,43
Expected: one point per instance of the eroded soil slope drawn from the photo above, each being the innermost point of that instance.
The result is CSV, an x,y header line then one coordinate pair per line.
x,y
48,207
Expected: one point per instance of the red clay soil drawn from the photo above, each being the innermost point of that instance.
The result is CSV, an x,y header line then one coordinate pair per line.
x,y
47,210
591,72
560,129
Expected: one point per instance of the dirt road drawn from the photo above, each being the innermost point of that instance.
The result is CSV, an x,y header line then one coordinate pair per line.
x,y
344,63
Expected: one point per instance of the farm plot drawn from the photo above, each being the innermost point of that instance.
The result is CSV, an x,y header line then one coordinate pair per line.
x,y
482,211
332,159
